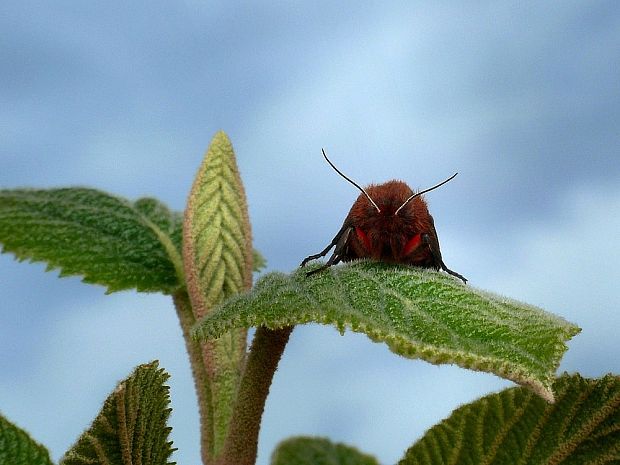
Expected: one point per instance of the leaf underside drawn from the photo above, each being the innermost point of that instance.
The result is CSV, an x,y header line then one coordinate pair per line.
x,y
106,239
515,427
18,448
417,313
318,451
131,427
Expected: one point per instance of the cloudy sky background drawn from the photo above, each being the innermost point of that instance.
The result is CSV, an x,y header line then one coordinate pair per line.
x,y
523,101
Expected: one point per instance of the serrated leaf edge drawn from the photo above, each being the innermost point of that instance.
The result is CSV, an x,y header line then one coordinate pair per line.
x,y
172,252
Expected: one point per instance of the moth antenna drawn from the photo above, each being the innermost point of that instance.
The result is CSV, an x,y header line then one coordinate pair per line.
x,y
424,192
356,184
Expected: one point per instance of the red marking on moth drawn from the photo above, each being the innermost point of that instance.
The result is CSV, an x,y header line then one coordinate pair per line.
x,y
363,237
412,244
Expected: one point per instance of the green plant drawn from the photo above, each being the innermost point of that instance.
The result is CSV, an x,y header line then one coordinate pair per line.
x,y
204,260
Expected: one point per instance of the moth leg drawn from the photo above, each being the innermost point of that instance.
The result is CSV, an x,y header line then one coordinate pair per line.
x,y
434,248
342,239
323,252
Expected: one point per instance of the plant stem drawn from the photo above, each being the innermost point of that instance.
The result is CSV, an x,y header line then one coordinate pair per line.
x,y
201,380
262,362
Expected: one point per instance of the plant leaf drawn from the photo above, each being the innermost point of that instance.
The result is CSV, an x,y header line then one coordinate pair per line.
x,y
106,239
218,257
259,262
131,427
167,221
417,313
217,236
515,427
18,448
318,451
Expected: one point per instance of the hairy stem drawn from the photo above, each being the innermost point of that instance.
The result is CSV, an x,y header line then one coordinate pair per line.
x,y
201,380
262,362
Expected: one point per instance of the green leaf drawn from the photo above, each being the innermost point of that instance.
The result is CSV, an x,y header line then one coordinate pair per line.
x,y
217,251
259,262
515,427
217,237
18,448
171,222
131,427
318,451
86,232
417,313
167,221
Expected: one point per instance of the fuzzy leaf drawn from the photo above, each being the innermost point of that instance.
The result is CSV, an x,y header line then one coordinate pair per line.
x,y
168,221
18,448
217,237
417,313
106,239
131,427
217,251
318,451
514,427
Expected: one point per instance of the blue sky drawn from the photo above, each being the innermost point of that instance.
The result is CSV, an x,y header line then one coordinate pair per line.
x,y
522,99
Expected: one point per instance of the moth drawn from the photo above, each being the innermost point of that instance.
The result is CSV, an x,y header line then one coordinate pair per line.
x,y
390,223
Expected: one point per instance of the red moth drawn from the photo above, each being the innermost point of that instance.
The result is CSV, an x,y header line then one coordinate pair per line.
x,y
389,223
